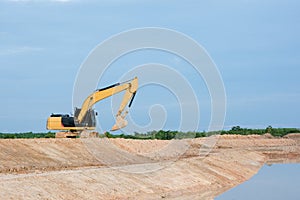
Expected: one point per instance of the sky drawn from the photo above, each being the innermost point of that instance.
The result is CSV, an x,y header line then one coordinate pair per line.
x,y
254,44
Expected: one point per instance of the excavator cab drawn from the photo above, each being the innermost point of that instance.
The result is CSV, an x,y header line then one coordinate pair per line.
x,y
89,119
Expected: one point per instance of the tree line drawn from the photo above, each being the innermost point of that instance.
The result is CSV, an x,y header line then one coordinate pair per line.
x,y
169,134
26,135
236,130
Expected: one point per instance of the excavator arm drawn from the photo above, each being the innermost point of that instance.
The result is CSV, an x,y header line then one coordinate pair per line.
x,y
130,88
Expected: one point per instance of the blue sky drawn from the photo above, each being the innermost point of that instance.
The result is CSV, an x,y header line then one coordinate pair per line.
x,y
255,45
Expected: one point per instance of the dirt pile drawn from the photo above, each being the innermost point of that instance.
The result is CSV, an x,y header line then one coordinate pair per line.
x,y
93,168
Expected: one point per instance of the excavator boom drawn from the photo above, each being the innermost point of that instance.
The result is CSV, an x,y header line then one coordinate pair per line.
x,y
130,88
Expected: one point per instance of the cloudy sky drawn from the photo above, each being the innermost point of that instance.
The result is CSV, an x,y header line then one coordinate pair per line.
x,y
254,44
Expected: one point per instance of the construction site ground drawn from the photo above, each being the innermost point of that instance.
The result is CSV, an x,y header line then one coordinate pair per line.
x,y
101,168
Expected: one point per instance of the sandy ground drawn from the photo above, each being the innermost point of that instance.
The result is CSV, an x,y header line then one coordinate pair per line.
x,y
93,168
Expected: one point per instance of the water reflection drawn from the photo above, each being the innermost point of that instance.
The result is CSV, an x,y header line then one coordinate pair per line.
x,y
276,182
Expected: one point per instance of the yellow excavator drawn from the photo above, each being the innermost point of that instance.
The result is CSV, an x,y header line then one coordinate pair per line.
x,y
84,117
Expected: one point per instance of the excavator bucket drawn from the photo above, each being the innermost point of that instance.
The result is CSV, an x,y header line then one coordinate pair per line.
x,y
120,123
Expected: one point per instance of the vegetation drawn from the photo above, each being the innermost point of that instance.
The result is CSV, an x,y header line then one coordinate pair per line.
x,y
27,135
277,132
236,130
168,135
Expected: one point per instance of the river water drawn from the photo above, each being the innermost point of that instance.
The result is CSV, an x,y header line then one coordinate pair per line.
x,y
275,182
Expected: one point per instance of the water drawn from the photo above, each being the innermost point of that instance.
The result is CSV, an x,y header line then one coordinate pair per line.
x,y
275,182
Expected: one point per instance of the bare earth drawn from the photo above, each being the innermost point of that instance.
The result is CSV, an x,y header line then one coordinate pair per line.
x,y
93,168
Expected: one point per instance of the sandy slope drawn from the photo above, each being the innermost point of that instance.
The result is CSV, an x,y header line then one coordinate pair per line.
x,y
135,169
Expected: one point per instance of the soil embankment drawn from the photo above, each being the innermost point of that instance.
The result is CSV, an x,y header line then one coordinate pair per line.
x,y
95,168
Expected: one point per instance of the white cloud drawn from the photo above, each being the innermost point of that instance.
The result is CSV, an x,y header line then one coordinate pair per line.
x,y
19,50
